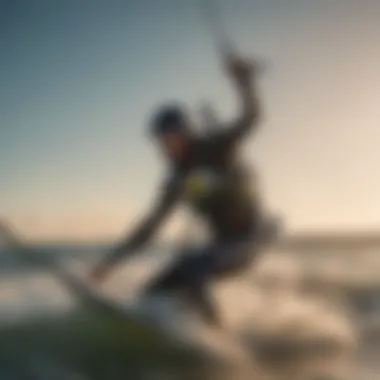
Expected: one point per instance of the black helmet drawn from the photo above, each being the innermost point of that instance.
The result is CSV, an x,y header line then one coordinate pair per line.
x,y
168,118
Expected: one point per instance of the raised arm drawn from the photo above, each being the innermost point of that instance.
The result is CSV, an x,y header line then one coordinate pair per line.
x,y
243,76
144,231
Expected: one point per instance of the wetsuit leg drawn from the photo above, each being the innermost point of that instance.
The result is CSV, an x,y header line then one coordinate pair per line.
x,y
192,273
173,278
215,262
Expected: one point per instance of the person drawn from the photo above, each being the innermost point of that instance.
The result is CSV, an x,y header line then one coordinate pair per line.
x,y
206,173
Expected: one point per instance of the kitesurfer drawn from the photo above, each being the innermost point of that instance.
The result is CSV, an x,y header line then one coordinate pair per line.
x,y
205,172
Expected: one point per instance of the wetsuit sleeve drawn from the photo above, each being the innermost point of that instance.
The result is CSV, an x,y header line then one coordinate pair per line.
x,y
248,119
146,229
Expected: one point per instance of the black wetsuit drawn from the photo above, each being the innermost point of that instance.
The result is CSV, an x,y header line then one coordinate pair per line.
x,y
216,186
213,183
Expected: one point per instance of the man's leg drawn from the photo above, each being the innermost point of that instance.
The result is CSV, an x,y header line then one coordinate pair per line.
x,y
199,297
187,277
215,261
192,273
168,281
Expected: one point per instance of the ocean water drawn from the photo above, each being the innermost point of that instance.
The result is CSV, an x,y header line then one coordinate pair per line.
x,y
288,298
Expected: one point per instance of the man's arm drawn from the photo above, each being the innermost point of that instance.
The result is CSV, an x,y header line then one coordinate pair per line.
x,y
243,77
142,233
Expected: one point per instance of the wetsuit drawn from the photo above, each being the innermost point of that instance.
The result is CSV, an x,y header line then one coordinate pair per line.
x,y
212,182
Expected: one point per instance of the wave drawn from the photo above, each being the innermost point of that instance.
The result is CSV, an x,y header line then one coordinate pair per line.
x,y
288,306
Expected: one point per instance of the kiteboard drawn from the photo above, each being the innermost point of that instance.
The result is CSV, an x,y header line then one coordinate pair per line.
x,y
142,319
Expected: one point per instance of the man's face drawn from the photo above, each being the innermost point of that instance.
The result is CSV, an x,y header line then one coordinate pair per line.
x,y
173,144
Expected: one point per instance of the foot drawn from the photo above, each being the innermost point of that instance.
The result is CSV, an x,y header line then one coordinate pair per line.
x,y
212,320
203,309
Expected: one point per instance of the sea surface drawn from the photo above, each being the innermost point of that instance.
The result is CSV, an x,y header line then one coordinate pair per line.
x,y
287,299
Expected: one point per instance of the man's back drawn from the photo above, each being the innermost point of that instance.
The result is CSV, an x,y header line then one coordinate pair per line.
x,y
215,184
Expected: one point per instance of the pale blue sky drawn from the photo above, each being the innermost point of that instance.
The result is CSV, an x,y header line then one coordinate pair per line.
x,y
79,79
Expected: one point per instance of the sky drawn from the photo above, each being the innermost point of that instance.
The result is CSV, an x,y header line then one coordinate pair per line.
x,y
79,80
